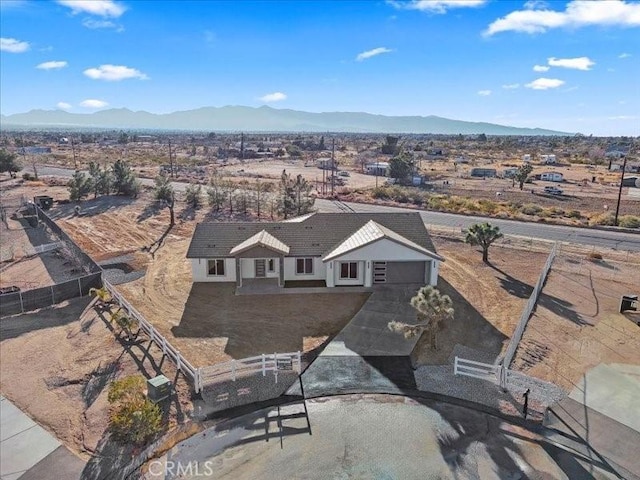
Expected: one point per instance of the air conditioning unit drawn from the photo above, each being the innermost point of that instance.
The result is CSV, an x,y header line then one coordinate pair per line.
x,y
158,388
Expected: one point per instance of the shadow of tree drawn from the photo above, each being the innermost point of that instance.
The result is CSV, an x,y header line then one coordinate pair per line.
x,y
91,207
151,210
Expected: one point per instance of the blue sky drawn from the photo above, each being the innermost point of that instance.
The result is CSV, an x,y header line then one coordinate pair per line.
x,y
571,66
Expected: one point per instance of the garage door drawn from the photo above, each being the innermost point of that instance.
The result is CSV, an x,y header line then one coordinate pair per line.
x,y
405,272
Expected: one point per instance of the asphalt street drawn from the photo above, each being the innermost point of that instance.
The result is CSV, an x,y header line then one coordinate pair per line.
x,y
584,236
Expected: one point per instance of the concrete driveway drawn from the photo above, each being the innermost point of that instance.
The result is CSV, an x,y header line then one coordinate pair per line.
x,y
366,356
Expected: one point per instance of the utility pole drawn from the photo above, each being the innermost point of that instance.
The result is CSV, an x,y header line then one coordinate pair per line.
x,y
333,165
75,159
242,146
624,166
170,160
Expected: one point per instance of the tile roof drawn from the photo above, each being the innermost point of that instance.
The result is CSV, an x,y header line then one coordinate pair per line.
x,y
369,233
261,239
315,235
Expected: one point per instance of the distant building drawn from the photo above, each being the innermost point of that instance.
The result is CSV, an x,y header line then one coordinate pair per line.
x,y
324,163
548,159
63,141
617,151
509,172
34,150
526,157
550,176
484,172
631,182
380,169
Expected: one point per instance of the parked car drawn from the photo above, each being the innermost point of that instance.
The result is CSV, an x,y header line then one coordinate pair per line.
x,y
552,191
344,173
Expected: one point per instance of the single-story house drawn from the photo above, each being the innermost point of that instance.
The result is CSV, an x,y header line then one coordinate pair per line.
x,y
483,172
548,159
380,169
550,176
339,249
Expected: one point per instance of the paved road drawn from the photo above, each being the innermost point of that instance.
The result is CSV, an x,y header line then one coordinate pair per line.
x,y
371,436
584,236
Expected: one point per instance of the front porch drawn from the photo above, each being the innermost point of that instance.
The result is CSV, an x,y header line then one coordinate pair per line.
x,y
270,286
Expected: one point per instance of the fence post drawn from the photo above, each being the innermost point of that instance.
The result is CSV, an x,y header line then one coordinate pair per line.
x,y
21,302
264,365
79,286
299,362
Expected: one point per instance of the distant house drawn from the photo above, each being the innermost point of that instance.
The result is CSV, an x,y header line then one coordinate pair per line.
x,y
34,150
509,172
617,151
335,249
548,159
324,163
484,172
526,157
631,182
63,141
550,176
380,169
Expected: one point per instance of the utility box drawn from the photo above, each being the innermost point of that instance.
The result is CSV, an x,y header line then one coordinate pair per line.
x,y
45,202
158,388
629,302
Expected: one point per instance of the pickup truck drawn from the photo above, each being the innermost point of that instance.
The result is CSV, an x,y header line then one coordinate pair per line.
x,y
552,190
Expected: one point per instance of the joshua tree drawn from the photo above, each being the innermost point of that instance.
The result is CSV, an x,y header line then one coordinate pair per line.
x,y
483,234
433,308
523,173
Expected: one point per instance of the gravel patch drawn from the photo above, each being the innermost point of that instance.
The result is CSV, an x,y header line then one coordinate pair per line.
x,y
116,270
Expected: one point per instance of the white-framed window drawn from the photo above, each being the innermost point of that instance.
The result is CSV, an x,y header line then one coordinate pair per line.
x,y
215,267
304,266
271,265
349,270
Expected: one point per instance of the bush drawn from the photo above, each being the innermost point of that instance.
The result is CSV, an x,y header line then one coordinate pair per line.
x,y
380,193
574,214
594,256
602,219
531,209
133,418
28,176
629,221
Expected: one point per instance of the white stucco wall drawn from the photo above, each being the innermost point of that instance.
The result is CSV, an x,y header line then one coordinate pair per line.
x,y
199,271
319,270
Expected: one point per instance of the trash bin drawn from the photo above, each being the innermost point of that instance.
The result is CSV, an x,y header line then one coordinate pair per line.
x,y
629,302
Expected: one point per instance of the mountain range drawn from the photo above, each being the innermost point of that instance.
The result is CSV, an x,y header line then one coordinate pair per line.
x,y
261,119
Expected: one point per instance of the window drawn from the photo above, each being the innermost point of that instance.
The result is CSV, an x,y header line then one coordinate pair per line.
x,y
304,266
216,267
349,270
271,265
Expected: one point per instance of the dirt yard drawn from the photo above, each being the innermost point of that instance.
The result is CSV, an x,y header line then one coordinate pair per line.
x,y
488,299
209,324
577,325
56,364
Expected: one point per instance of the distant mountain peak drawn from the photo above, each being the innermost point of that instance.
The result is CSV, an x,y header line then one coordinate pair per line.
x,y
263,119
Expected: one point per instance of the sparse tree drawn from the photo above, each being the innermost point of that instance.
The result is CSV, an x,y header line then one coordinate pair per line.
x,y
259,197
286,197
523,173
433,308
164,193
216,192
483,234
192,195
100,178
9,162
124,180
400,167
302,195
80,186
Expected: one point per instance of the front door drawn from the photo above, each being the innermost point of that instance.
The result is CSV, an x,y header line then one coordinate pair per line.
x,y
260,268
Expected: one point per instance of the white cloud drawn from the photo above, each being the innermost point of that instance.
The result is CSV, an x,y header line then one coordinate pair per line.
x,y
94,24
484,93
93,103
102,8
53,65
511,86
579,63
540,68
114,73
623,117
578,13
12,45
435,6
63,105
624,55
273,97
545,83
372,53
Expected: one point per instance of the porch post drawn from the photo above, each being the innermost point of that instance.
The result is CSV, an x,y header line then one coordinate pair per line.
x,y
281,271
238,272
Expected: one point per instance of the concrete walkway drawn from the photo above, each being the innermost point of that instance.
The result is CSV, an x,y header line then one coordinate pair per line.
x,y
29,452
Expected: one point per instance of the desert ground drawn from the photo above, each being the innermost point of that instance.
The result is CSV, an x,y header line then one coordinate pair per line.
x,y
56,364
577,323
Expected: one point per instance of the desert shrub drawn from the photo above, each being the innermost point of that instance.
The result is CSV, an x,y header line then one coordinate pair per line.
x,y
436,202
417,199
594,256
602,219
556,212
488,206
531,209
133,418
381,193
629,221
401,197
574,214
28,176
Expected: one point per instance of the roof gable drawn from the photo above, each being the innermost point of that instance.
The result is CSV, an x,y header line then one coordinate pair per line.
x,y
261,239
